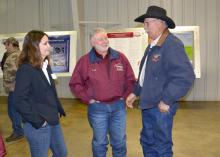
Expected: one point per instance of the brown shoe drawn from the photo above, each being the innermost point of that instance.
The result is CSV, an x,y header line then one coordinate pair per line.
x,y
13,137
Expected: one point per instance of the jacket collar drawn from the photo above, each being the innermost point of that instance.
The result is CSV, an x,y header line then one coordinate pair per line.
x,y
163,37
113,54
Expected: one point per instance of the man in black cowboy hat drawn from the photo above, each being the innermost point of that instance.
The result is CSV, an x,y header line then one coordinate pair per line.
x,y
165,76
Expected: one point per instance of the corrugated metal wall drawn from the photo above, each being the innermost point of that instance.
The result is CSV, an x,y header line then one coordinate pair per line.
x,y
56,15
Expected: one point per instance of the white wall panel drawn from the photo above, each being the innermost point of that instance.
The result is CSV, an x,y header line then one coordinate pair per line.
x,y
65,88
132,13
11,15
34,18
112,14
218,48
65,15
90,15
44,12
55,21
189,12
154,2
23,16
62,86
102,11
18,16
3,16
212,59
199,89
177,11
189,20
167,4
123,13
142,6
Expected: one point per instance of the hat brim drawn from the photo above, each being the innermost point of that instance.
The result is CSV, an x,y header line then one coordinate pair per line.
x,y
168,20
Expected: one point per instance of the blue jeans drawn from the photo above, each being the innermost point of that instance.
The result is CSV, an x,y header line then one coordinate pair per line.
x,y
156,134
14,116
40,140
107,119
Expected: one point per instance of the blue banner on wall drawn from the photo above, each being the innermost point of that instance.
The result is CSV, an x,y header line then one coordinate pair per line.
x,y
61,53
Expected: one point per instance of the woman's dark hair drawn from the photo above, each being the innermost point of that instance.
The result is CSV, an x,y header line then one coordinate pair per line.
x,y
30,50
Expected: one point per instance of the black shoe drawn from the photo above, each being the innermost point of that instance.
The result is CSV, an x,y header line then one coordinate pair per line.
x,y
13,137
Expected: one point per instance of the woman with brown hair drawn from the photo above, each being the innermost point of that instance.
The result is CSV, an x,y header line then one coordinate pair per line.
x,y
36,98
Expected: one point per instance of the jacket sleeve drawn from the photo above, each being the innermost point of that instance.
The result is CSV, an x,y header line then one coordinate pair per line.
x,y
77,82
137,88
129,78
10,68
21,93
180,74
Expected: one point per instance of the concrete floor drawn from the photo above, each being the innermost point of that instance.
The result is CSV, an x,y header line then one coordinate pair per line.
x,y
196,131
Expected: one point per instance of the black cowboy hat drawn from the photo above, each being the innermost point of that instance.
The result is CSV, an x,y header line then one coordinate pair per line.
x,y
156,12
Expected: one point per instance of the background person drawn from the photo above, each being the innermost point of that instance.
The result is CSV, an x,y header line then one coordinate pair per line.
x,y
36,98
5,55
103,78
2,147
9,67
165,76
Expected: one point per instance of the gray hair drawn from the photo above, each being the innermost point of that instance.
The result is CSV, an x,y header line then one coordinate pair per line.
x,y
96,30
164,23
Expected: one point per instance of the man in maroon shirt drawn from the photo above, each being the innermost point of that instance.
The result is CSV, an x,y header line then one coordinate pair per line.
x,y
103,78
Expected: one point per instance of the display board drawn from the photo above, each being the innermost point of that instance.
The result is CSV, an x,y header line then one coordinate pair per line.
x,y
189,35
130,41
133,42
63,56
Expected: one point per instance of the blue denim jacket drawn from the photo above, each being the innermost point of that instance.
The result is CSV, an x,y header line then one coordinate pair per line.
x,y
168,74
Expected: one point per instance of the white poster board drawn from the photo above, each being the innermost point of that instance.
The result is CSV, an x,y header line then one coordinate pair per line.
x,y
133,42
130,41
63,57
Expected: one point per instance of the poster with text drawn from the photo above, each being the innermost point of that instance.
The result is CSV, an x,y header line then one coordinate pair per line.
x,y
131,42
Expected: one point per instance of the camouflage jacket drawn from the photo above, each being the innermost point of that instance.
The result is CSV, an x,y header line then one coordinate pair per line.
x,y
9,71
